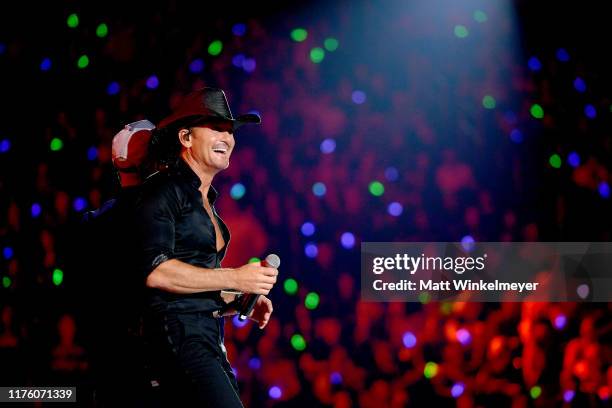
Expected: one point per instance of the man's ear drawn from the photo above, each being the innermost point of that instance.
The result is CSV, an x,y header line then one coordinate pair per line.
x,y
184,136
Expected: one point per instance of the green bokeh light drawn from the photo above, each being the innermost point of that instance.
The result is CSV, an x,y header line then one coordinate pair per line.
x,y
298,342
480,16
317,54
446,308
535,391
102,30
555,161
73,20
56,144
424,297
376,188
430,370
215,48
299,34
537,111
488,102
58,276
461,31
290,286
330,44
312,300
6,282
83,61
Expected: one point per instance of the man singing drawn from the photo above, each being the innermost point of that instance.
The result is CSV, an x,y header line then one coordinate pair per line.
x,y
182,241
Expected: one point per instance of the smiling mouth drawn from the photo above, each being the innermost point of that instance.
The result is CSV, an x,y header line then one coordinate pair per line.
x,y
221,148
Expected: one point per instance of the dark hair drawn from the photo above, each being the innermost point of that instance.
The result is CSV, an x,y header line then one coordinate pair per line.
x,y
165,146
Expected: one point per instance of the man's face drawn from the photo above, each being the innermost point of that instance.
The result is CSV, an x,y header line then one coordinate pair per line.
x,y
212,145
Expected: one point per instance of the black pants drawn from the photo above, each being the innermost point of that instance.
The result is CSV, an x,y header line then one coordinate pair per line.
x,y
188,364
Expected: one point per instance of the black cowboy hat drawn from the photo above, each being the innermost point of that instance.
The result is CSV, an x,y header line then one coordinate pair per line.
x,y
203,106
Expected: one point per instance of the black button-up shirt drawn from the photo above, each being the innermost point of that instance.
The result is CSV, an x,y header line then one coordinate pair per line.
x,y
172,223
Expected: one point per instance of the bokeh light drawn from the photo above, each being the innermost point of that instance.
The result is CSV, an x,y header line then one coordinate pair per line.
x,y
409,340
468,243
358,97
249,65
102,30
457,390
35,210
237,191
254,363
79,204
535,391
311,250
92,153
328,146
317,54
395,209
5,145
560,322
7,252
488,102
580,85
537,111
152,82
83,62
590,111
319,189
45,65
308,229
463,336
391,173
330,44
299,34
604,189
430,370
275,392
461,31
57,276
347,239
290,286
312,300
215,48
376,188
534,64
298,342
113,88
56,144
480,16
555,161
73,20
562,55
196,66
573,159
239,29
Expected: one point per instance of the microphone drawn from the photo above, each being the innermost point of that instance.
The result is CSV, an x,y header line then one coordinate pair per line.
x,y
273,261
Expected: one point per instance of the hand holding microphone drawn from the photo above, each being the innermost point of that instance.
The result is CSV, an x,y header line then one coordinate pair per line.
x,y
270,269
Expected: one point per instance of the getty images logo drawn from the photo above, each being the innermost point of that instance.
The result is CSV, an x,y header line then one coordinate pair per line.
x,y
412,264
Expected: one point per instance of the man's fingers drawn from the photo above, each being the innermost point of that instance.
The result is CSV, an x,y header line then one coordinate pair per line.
x,y
268,280
269,271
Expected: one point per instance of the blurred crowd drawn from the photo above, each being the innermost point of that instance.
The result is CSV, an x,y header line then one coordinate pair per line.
x,y
354,147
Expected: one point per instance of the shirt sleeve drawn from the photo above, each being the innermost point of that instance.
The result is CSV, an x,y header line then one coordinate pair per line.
x,y
156,215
